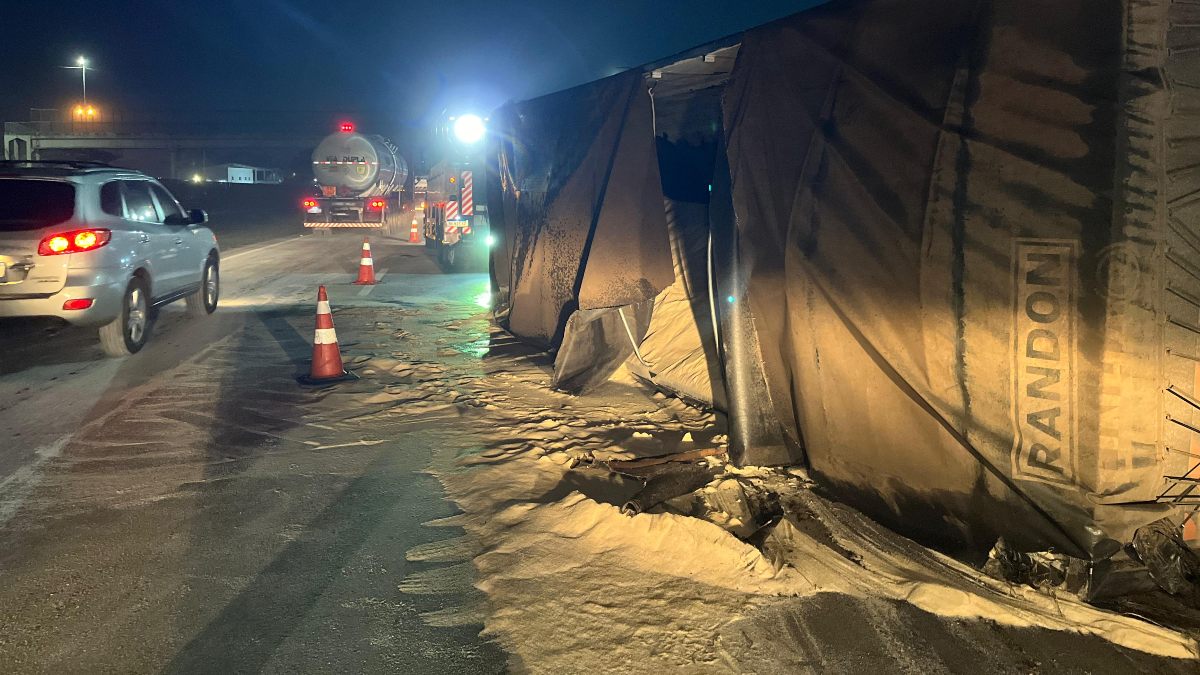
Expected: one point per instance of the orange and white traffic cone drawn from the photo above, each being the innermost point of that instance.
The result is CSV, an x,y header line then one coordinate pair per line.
x,y
414,237
327,356
366,267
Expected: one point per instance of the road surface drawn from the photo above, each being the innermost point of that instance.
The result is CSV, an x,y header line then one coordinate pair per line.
x,y
192,509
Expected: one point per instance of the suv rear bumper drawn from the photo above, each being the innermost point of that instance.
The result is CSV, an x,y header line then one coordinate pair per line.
x,y
106,304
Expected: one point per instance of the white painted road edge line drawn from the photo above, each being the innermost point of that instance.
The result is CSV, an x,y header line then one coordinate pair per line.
x,y
366,290
257,249
17,486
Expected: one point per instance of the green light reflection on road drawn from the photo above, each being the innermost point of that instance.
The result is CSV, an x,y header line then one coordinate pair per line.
x,y
484,300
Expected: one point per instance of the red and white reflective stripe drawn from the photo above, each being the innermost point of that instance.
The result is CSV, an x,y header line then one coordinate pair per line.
x,y
468,193
325,334
451,210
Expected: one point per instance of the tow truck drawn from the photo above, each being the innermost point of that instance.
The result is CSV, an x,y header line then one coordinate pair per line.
x,y
455,224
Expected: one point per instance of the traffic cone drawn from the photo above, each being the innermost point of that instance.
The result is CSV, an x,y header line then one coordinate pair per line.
x,y
414,236
327,356
366,267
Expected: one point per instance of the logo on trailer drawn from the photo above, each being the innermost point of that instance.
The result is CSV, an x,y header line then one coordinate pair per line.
x,y
1044,360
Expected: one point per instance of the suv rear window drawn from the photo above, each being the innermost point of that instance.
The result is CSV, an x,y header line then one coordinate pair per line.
x,y
110,199
34,204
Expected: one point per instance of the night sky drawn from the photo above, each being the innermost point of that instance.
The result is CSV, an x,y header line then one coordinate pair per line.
x,y
393,61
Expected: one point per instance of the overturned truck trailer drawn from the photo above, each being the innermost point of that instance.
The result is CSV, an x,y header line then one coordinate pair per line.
x,y
948,254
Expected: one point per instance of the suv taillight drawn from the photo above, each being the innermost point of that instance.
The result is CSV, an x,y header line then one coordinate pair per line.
x,y
75,241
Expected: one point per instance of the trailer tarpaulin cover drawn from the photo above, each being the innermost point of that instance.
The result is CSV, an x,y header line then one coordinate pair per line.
x,y
679,352
971,237
582,225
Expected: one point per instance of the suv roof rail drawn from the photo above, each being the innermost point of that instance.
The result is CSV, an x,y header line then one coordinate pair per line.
x,y
68,163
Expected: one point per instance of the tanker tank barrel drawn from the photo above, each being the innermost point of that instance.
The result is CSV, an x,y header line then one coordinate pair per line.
x,y
359,165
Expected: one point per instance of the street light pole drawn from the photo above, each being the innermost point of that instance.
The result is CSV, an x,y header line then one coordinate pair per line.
x,y
81,64
83,72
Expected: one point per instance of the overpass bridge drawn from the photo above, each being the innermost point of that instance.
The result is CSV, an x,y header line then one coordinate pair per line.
x,y
49,139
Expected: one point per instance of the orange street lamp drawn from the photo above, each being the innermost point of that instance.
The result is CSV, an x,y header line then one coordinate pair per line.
x,y
85,113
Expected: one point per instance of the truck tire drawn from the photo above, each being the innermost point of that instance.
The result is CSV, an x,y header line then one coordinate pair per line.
x,y
127,333
449,257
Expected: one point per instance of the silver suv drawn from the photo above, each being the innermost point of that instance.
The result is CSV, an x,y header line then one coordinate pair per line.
x,y
99,246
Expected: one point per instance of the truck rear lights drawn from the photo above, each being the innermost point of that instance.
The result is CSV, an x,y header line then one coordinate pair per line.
x,y
78,303
347,127
76,241
309,203
376,204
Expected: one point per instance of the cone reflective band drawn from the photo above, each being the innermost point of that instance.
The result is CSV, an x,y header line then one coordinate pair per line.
x,y
327,356
366,266
325,333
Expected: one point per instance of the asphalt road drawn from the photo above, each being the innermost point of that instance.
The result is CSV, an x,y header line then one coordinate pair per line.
x,y
192,509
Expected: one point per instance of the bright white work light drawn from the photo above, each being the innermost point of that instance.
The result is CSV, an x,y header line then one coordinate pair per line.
x,y
469,129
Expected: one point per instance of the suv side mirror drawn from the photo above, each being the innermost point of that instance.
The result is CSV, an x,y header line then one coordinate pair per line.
x,y
197,217
176,220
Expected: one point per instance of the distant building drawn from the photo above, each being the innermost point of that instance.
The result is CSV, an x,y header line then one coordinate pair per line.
x,y
241,173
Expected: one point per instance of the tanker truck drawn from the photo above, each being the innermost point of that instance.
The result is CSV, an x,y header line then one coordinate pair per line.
x,y
357,178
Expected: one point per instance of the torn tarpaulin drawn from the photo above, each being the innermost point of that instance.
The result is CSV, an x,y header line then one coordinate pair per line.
x,y
1042,569
582,222
595,343
1172,565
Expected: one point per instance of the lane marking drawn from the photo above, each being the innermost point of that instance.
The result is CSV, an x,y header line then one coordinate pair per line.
x,y
258,249
17,486
366,290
